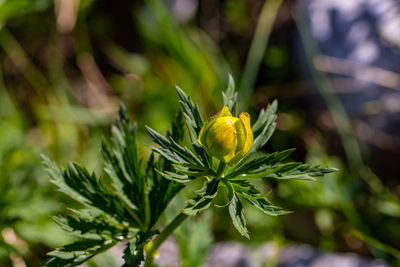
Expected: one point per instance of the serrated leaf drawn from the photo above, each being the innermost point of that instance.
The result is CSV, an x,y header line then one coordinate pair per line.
x,y
169,155
175,177
264,136
96,229
57,178
87,188
258,164
265,115
237,216
292,170
184,152
209,190
123,167
192,173
266,207
229,193
131,257
177,130
196,205
161,190
134,252
172,150
204,197
263,128
150,192
248,191
123,115
119,178
76,253
190,110
230,97
194,123
244,187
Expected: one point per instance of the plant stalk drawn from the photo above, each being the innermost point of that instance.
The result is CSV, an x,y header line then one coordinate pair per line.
x,y
151,251
221,168
154,245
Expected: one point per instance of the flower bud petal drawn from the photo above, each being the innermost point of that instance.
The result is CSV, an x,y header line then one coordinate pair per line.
x,y
226,137
244,137
221,138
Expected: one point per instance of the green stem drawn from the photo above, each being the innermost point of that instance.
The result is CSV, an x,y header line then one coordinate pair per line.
x,y
153,246
221,168
150,252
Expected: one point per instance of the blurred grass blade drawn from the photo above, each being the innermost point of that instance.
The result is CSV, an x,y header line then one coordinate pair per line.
x,y
339,115
257,48
20,58
16,8
377,244
350,143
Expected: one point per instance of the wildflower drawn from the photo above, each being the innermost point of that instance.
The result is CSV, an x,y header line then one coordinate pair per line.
x,y
226,137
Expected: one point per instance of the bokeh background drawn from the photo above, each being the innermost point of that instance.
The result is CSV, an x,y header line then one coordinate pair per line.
x,y
333,65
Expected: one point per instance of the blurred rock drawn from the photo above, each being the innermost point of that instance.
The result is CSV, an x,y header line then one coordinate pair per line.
x,y
168,254
235,254
344,260
307,256
298,255
230,254
358,42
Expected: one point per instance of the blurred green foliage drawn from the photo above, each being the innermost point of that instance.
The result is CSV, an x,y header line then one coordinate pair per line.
x,y
67,64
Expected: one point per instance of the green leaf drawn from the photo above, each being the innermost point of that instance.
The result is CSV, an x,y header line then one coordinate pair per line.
x,y
292,170
184,152
161,190
264,127
194,123
204,197
131,257
177,130
145,195
175,177
190,111
170,155
266,207
122,165
88,189
230,97
196,205
244,187
172,150
265,115
237,215
209,190
57,178
98,228
264,136
248,191
187,166
134,251
77,253
258,164
229,192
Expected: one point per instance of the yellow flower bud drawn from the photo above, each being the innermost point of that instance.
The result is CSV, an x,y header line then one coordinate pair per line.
x,y
226,137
